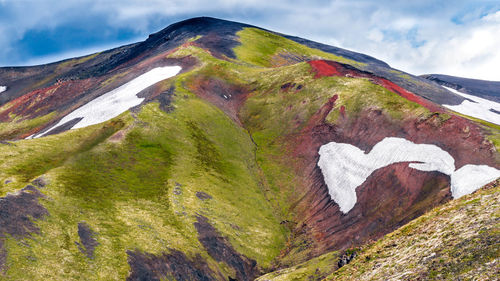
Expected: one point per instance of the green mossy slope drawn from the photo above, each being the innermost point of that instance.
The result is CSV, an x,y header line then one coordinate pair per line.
x,y
137,190
266,49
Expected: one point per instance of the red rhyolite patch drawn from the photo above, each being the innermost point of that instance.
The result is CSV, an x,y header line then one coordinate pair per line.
x,y
226,96
43,101
324,68
342,111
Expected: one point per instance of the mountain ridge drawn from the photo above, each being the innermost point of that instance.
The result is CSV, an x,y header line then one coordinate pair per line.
x,y
481,88
168,39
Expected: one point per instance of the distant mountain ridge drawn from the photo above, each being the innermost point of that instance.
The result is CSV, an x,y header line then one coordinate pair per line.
x,y
481,88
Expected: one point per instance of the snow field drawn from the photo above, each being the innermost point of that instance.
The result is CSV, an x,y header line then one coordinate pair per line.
x,y
345,167
479,107
117,101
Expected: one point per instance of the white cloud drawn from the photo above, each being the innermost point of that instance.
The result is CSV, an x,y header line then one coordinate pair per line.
x,y
75,53
469,50
427,36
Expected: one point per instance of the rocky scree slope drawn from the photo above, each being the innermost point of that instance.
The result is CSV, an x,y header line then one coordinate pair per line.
x,y
214,175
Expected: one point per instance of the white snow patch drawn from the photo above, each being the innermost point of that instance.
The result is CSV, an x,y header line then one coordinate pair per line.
x,y
345,167
3,89
470,178
479,108
117,101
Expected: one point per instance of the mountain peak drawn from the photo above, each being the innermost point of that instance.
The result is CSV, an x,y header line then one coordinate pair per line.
x,y
200,25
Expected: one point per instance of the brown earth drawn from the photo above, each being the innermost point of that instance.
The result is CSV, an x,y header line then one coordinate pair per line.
x,y
391,196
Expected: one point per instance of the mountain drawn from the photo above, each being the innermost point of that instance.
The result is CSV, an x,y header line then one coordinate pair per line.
x,y
484,89
217,150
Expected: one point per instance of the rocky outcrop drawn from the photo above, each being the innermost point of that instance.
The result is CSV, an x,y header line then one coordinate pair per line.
x,y
174,264
88,241
219,248
346,259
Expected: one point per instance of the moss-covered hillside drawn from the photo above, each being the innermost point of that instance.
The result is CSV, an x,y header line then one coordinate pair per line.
x,y
214,175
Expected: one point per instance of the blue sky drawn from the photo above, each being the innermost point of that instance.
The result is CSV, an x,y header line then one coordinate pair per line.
x,y
451,37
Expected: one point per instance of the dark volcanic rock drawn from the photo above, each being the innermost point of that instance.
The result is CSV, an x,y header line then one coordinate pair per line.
x,y
346,259
18,213
3,256
203,196
88,242
218,36
64,127
39,182
175,264
165,98
221,250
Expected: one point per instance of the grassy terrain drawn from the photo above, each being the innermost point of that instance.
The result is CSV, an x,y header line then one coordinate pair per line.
x,y
314,269
275,112
141,192
16,127
457,241
267,49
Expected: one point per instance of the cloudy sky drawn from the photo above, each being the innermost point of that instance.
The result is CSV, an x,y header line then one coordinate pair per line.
x,y
418,36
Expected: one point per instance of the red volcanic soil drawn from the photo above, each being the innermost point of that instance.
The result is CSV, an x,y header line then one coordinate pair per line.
x,y
342,111
392,195
323,68
388,199
227,97
43,101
